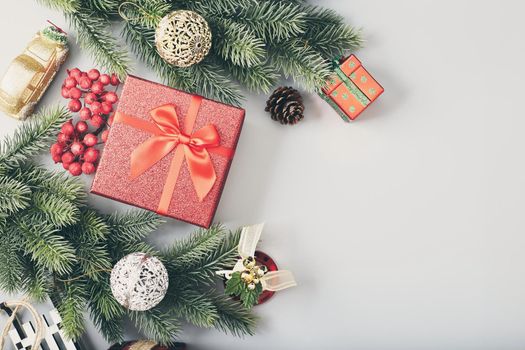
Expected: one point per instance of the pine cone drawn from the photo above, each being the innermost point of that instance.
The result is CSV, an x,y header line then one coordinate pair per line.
x,y
285,105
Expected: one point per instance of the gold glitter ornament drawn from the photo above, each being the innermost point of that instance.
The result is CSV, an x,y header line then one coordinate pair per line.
x,y
183,38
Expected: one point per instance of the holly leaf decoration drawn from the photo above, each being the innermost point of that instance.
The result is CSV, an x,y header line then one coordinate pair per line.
x,y
237,287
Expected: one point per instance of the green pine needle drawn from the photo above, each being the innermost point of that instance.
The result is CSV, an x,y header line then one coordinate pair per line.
x,y
233,317
72,306
32,137
156,324
12,268
236,43
273,21
46,247
14,195
133,225
62,5
58,184
92,35
195,307
54,209
256,78
145,13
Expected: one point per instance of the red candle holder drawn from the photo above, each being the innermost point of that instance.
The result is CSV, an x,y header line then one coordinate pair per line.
x,y
263,259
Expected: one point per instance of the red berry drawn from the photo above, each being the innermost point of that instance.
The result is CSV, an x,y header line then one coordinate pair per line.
x,y
57,149
90,140
65,92
81,127
91,155
75,93
96,107
62,138
85,82
65,165
90,98
75,169
75,73
106,107
97,87
114,80
68,158
77,148
111,97
104,135
93,74
74,105
68,128
88,168
57,158
96,120
70,82
105,79
85,113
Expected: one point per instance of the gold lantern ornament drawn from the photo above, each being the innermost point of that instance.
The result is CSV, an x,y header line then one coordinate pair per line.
x,y
183,38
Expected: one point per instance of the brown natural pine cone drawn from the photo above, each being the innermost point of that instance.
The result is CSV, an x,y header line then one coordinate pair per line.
x,y
285,105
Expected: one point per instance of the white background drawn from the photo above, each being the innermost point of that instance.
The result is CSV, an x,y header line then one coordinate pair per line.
x,y
405,229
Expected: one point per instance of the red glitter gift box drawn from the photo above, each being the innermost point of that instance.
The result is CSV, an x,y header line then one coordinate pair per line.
x,y
168,151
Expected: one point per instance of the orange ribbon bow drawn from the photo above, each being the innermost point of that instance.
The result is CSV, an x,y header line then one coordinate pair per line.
x,y
195,147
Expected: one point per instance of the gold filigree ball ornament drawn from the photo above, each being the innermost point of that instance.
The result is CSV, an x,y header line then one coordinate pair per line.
x,y
183,38
139,281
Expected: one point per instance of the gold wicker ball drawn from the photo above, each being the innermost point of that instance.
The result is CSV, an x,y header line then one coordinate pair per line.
x,y
183,38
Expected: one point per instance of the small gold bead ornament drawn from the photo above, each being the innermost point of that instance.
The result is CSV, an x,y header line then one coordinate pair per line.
x,y
183,38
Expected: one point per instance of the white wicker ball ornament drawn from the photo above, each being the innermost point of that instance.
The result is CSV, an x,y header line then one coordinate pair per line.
x,y
183,38
139,281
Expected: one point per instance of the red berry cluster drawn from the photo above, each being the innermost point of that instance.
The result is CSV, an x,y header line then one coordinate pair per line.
x,y
75,146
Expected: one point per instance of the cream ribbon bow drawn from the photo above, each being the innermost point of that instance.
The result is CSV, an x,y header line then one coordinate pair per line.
x,y
273,280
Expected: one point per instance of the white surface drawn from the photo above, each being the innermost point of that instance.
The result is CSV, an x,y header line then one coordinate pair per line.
x,y
404,229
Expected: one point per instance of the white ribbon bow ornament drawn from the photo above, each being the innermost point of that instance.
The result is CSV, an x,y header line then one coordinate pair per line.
x,y
273,280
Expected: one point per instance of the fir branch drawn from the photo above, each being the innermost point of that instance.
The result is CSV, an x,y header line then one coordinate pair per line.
x,y
12,266
210,80
195,307
106,7
158,325
233,317
64,5
196,259
145,13
213,7
195,247
236,43
35,280
14,195
54,183
45,246
31,137
71,308
93,36
142,43
273,21
92,226
50,208
328,34
301,62
102,300
133,225
111,328
256,78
